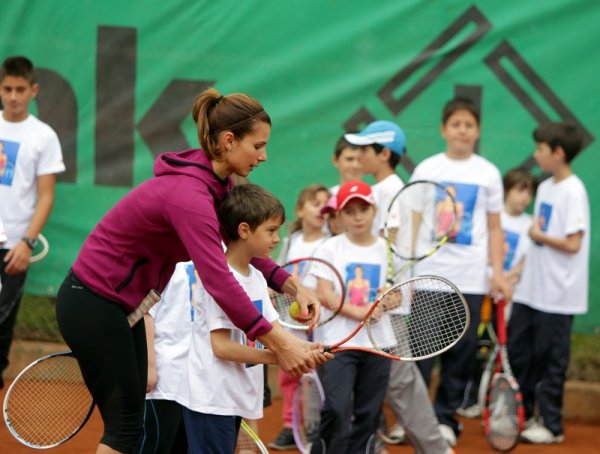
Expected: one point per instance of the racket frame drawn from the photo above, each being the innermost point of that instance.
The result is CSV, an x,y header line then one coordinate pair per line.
x,y
295,423
254,437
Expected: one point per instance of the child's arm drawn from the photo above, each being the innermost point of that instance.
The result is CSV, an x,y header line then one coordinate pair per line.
x,y
327,295
226,349
514,274
569,244
152,376
498,283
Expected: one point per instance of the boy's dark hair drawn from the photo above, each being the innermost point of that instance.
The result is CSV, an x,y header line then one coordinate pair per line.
x,y
18,66
560,134
458,103
519,178
248,203
394,157
342,144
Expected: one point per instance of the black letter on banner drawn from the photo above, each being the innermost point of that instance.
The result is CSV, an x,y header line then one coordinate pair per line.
x,y
115,86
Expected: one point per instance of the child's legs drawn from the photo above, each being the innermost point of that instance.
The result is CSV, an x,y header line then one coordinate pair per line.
x,y
288,386
337,377
413,409
457,368
370,387
164,431
210,434
552,360
521,339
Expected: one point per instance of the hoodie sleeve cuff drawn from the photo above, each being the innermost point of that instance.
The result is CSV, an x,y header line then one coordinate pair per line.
x,y
260,327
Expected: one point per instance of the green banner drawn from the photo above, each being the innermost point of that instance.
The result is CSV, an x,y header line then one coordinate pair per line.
x,y
118,79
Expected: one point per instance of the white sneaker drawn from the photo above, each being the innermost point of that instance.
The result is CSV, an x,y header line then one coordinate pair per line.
x,y
448,434
541,435
472,412
394,437
531,422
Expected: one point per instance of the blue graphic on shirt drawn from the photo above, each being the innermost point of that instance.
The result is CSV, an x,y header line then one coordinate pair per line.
x,y
362,283
250,343
465,198
511,241
8,161
296,269
190,270
543,218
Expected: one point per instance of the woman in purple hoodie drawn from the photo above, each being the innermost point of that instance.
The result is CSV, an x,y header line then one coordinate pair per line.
x,y
170,218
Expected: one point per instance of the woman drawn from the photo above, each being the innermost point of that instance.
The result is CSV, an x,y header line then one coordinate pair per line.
x,y
169,219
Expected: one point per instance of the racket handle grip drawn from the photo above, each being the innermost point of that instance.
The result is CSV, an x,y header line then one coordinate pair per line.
x,y
327,349
149,300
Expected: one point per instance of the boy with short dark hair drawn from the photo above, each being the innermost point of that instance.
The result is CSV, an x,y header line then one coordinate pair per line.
x,y
29,160
555,277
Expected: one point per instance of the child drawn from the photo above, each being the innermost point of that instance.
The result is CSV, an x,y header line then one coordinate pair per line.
x,y
346,159
332,217
222,380
465,258
305,235
354,382
382,144
555,277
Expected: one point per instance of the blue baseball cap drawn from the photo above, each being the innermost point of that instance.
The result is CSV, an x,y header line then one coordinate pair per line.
x,y
384,133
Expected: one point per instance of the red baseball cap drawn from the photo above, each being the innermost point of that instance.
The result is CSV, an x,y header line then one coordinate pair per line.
x,y
354,190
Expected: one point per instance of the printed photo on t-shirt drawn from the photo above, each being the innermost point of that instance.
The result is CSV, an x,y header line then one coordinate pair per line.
x,y
511,241
362,282
465,197
253,343
543,218
192,275
8,161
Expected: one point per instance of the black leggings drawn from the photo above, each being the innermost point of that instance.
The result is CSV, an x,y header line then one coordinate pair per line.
x,y
113,360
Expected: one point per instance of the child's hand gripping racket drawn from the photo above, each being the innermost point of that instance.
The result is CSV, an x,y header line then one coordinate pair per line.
x,y
416,319
48,402
503,415
421,218
307,269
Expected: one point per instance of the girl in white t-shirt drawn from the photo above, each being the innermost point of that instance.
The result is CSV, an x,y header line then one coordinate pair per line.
x,y
354,382
306,234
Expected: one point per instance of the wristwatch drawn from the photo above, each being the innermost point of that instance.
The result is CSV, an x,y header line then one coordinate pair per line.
x,y
30,242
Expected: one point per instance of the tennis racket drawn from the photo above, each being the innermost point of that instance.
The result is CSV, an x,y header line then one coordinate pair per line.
x,y
248,441
306,411
486,330
504,415
306,269
420,219
41,250
48,402
416,319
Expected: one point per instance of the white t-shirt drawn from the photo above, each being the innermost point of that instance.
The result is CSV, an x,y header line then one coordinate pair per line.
x,y
29,149
352,261
173,319
516,245
384,192
478,187
296,247
214,386
558,281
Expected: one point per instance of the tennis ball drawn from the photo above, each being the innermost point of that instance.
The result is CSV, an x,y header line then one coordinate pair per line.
x,y
296,313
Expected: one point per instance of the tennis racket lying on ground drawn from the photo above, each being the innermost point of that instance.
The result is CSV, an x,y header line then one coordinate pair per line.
x,y
248,441
306,269
420,219
48,402
503,416
306,411
416,319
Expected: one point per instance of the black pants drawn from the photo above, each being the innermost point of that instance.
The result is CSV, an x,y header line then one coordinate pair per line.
x,y
457,366
113,358
164,431
10,299
355,384
539,345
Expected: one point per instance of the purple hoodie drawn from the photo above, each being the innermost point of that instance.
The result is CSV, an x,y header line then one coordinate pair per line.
x,y
168,219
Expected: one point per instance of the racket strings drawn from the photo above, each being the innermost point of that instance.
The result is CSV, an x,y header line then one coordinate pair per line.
x,y
503,413
248,441
306,414
429,317
48,402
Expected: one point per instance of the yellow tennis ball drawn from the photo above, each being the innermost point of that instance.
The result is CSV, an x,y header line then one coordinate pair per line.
x,y
295,310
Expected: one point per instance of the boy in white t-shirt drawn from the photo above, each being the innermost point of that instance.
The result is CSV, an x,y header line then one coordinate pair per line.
x,y
222,379
346,159
556,282
30,158
476,241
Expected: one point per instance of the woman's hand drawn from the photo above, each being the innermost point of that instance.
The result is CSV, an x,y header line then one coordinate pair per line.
x,y
307,299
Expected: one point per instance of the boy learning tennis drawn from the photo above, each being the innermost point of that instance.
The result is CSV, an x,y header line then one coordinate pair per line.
x,y
354,382
477,240
223,377
555,276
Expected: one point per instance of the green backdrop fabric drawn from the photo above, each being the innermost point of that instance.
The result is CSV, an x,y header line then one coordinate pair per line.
x,y
118,80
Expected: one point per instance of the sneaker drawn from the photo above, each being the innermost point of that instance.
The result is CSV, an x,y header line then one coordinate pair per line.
x,y
448,434
531,422
539,434
284,441
472,412
394,437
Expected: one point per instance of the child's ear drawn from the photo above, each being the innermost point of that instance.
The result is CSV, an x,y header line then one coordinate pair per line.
x,y
35,89
560,153
243,230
